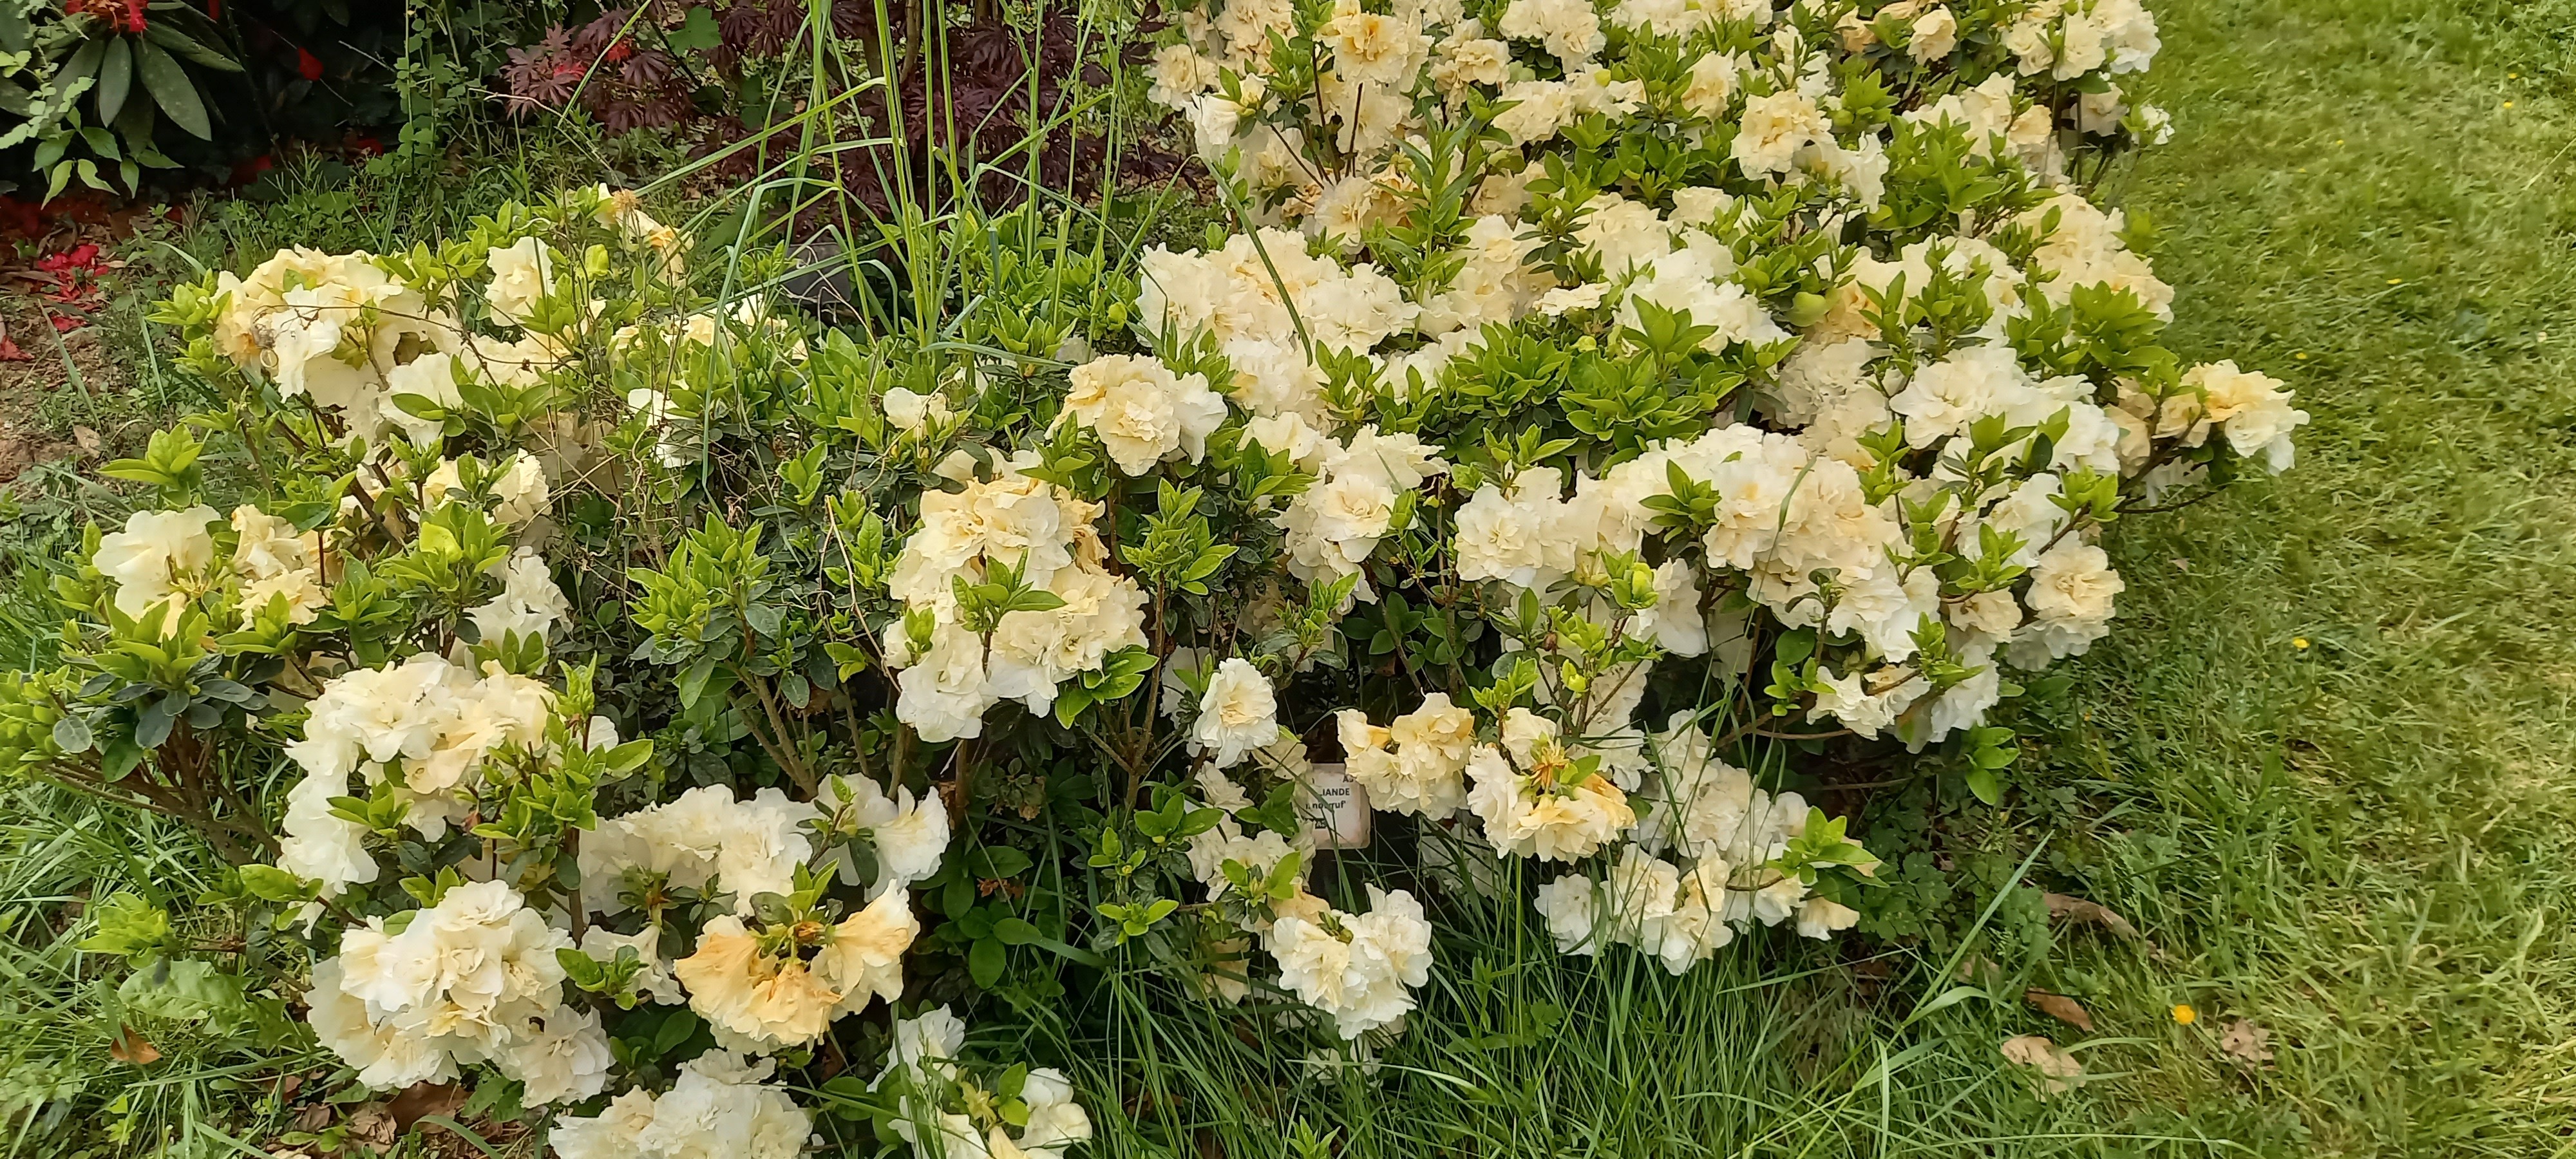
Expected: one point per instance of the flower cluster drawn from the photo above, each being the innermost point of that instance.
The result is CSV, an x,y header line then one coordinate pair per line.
x,y
473,978
1728,844
1767,371
1005,598
423,728
944,1105
720,1106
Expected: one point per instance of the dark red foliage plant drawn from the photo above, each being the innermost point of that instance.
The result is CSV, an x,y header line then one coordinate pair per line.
x,y
617,67
901,102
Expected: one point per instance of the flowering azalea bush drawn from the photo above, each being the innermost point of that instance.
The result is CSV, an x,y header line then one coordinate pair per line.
x,y
1597,413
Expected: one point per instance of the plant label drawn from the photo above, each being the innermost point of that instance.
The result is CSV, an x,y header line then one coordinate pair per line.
x,y
1335,809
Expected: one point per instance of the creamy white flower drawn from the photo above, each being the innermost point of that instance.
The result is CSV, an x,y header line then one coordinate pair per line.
x,y
1373,49
522,273
156,556
273,561
1774,128
908,411
2251,408
1237,714
386,1057
720,1109
2073,581
1143,412
1568,29
319,846
943,693
1179,74
519,492
1359,968
1536,802
1712,86
1819,917
1423,772
561,1056
749,846
529,602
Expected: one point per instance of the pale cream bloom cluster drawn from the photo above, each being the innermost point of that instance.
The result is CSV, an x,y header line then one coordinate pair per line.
x,y
1361,969
162,556
944,1111
749,847
721,1108
425,726
1142,412
470,979
763,994
763,997
1535,800
1048,535
1808,524
1415,764
345,332
331,327
1698,868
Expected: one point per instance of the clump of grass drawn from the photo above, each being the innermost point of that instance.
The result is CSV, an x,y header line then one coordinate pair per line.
x,y
2332,745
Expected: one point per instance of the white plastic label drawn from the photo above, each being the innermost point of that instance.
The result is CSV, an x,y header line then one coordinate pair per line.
x,y
1335,809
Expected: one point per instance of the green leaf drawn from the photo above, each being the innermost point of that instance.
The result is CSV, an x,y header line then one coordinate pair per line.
x,y
693,680
152,725
71,734
697,33
1069,703
674,1031
173,91
83,64
269,883
115,79
1982,782
189,991
128,926
985,961
998,861
580,967
1016,932
159,32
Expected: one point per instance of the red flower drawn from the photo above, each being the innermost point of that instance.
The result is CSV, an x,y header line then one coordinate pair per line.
x,y
121,15
307,65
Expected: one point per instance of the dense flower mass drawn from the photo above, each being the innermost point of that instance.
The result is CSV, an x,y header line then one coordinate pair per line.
x,y
1764,371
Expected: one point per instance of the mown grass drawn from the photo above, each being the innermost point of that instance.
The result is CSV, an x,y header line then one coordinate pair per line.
x,y
2332,739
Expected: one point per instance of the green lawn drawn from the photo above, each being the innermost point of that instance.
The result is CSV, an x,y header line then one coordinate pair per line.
x,y
2331,748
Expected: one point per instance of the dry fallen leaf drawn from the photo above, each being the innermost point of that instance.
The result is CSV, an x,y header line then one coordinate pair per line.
x,y
86,439
421,1100
132,1049
2057,1069
2076,909
373,1125
2247,1042
2061,1008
